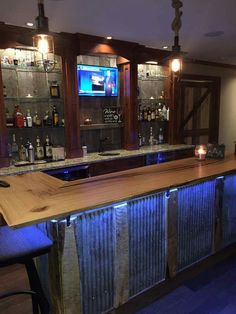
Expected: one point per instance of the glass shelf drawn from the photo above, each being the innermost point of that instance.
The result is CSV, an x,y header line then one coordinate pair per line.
x,y
19,68
100,126
33,99
153,99
153,121
153,78
12,128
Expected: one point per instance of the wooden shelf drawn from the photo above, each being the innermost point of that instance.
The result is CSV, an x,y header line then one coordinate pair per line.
x,y
100,126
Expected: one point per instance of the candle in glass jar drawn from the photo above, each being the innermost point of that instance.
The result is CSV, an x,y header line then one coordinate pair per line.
x,y
201,153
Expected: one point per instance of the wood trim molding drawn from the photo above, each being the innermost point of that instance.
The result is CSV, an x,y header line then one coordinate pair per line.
x,y
71,105
4,160
211,63
128,99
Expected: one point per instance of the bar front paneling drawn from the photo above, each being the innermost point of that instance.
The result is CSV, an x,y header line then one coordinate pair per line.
x,y
229,210
147,242
195,222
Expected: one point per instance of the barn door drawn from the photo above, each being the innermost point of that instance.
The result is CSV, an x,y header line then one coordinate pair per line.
x,y
199,109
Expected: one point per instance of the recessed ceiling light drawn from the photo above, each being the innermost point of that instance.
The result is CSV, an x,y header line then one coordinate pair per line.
x,y
214,34
109,37
151,62
165,47
30,24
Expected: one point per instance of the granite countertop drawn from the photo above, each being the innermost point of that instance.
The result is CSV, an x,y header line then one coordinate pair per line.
x,y
92,158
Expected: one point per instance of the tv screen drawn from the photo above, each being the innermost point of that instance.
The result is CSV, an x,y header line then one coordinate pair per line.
x,y
97,80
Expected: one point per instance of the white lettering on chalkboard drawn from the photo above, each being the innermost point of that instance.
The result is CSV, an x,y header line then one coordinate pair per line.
x,y
110,115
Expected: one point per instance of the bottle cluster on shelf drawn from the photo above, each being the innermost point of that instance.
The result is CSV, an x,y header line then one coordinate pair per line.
x,y
28,151
153,110
152,139
23,59
26,120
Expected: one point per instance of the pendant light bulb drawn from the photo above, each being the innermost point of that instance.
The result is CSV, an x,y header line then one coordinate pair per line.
x,y
42,40
176,65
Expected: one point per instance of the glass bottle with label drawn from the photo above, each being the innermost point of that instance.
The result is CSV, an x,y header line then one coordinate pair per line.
x,y
151,138
31,153
55,116
47,148
29,120
18,117
36,120
47,120
14,148
39,153
22,151
160,136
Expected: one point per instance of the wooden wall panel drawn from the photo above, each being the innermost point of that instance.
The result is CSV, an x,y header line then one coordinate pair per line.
x,y
129,104
71,103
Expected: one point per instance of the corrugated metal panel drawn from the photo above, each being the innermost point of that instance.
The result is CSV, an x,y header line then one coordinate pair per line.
x,y
196,212
94,232
229,210
147,242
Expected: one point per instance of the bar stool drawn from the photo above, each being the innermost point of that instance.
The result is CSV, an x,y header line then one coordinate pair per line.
x,y
20,246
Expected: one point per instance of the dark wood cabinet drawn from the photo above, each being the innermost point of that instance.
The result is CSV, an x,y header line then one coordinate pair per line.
x,y
109,166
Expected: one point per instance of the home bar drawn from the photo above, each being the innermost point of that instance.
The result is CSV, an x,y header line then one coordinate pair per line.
x,y
114,185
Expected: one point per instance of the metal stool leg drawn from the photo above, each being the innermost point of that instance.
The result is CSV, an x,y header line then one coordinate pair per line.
x,y
35,285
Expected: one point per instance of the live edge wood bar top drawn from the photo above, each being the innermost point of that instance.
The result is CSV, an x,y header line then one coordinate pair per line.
x,y
36,197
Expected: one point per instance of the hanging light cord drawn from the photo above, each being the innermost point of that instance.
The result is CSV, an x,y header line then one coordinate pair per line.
x,y
176,24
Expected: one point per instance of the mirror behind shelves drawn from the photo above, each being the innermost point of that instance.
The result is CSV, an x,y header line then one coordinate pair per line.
x,y
94,128
34,94
153,106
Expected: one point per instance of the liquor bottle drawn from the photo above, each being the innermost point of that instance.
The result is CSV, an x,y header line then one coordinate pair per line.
x,y
153,114
162,96
47,148
14,148
55,116
140,143
22,151
4,91
140,118
31,153
145,114
29,119
149,114
47,120
39,153
151,137
9,119
157,117
160,136
27,149
36,120
164,112
18,117
168,114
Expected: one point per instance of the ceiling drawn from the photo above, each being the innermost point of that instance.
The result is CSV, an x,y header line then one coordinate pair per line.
x,y
146,22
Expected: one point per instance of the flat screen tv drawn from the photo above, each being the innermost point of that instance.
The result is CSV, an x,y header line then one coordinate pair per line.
x,y
96,80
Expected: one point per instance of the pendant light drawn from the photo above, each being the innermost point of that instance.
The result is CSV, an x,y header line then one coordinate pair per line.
x,y
176,59
42,40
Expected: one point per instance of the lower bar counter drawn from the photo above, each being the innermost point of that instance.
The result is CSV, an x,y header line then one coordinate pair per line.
x,y
105,255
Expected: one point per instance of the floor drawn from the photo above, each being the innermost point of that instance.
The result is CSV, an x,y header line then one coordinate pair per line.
x,y
211,292
14,278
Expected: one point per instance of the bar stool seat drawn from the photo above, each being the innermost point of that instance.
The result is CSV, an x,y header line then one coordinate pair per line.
x,y
20,246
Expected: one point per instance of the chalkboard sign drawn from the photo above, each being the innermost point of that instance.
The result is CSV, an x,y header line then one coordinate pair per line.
x,y
215,151
111,115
